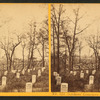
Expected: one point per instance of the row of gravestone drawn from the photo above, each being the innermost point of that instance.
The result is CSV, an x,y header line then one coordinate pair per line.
x,y
82,73
64,86
28,84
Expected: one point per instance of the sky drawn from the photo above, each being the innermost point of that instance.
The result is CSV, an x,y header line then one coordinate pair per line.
x,y
91,15
15,18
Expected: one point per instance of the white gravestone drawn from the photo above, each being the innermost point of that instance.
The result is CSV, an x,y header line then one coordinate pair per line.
x,y
93,72
57,75
28,87
81,71
64,87
81,75
5,73
54,73
42,69
19,70
87,71
4,79
74,73
28,70
39,72
58,80
33,79
23,71
17,75
13,71
33,68
71,72
91,79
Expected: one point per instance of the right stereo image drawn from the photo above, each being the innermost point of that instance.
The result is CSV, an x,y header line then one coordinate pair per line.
x,y
75,47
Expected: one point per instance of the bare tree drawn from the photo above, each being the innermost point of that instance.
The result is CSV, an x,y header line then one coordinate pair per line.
x,y
9,48
31,43
56,20
71,40
43,41
94,43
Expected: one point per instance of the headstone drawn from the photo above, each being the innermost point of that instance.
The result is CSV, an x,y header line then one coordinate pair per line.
x,y
74,73
5,73
28,87
71,72
58,80
64,87
13,71
81,75
57,75
81,71
33,79
34,68
19,70
17,75
4,79
39,72
28,70
93,72
23,71
54,73
91,79
42,69
87,71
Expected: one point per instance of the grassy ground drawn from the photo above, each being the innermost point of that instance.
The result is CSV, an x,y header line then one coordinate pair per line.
x,y
18,85
76,84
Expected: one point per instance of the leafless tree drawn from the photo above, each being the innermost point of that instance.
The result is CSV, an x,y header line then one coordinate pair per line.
x,y
94,43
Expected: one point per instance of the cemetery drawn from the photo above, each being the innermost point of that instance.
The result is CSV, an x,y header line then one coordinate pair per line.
x,y
24,51
75,48
33,81
79,82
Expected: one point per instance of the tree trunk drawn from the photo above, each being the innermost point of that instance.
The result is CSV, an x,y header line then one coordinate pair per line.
x,y
53,49
43,53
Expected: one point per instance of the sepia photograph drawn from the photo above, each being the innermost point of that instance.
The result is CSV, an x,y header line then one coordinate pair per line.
x,y
75,47
24,48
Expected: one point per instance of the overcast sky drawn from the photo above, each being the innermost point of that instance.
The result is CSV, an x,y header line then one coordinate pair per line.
x,y
17,18
91,14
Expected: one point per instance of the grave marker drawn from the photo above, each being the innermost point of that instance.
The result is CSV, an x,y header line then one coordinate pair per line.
x,y
74,73
39,72
23,71
33,68
71,72
33,79
17,75
28,70
5,73
28,87
87,71
57,75
19,70
54,73
81,75
58,80
64,87
91,79
93,72
13,71
4,79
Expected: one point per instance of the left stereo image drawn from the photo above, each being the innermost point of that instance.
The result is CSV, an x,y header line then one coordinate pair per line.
x,y
24,48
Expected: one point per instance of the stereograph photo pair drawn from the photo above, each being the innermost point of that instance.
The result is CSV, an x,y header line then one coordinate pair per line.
x,y
57,47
